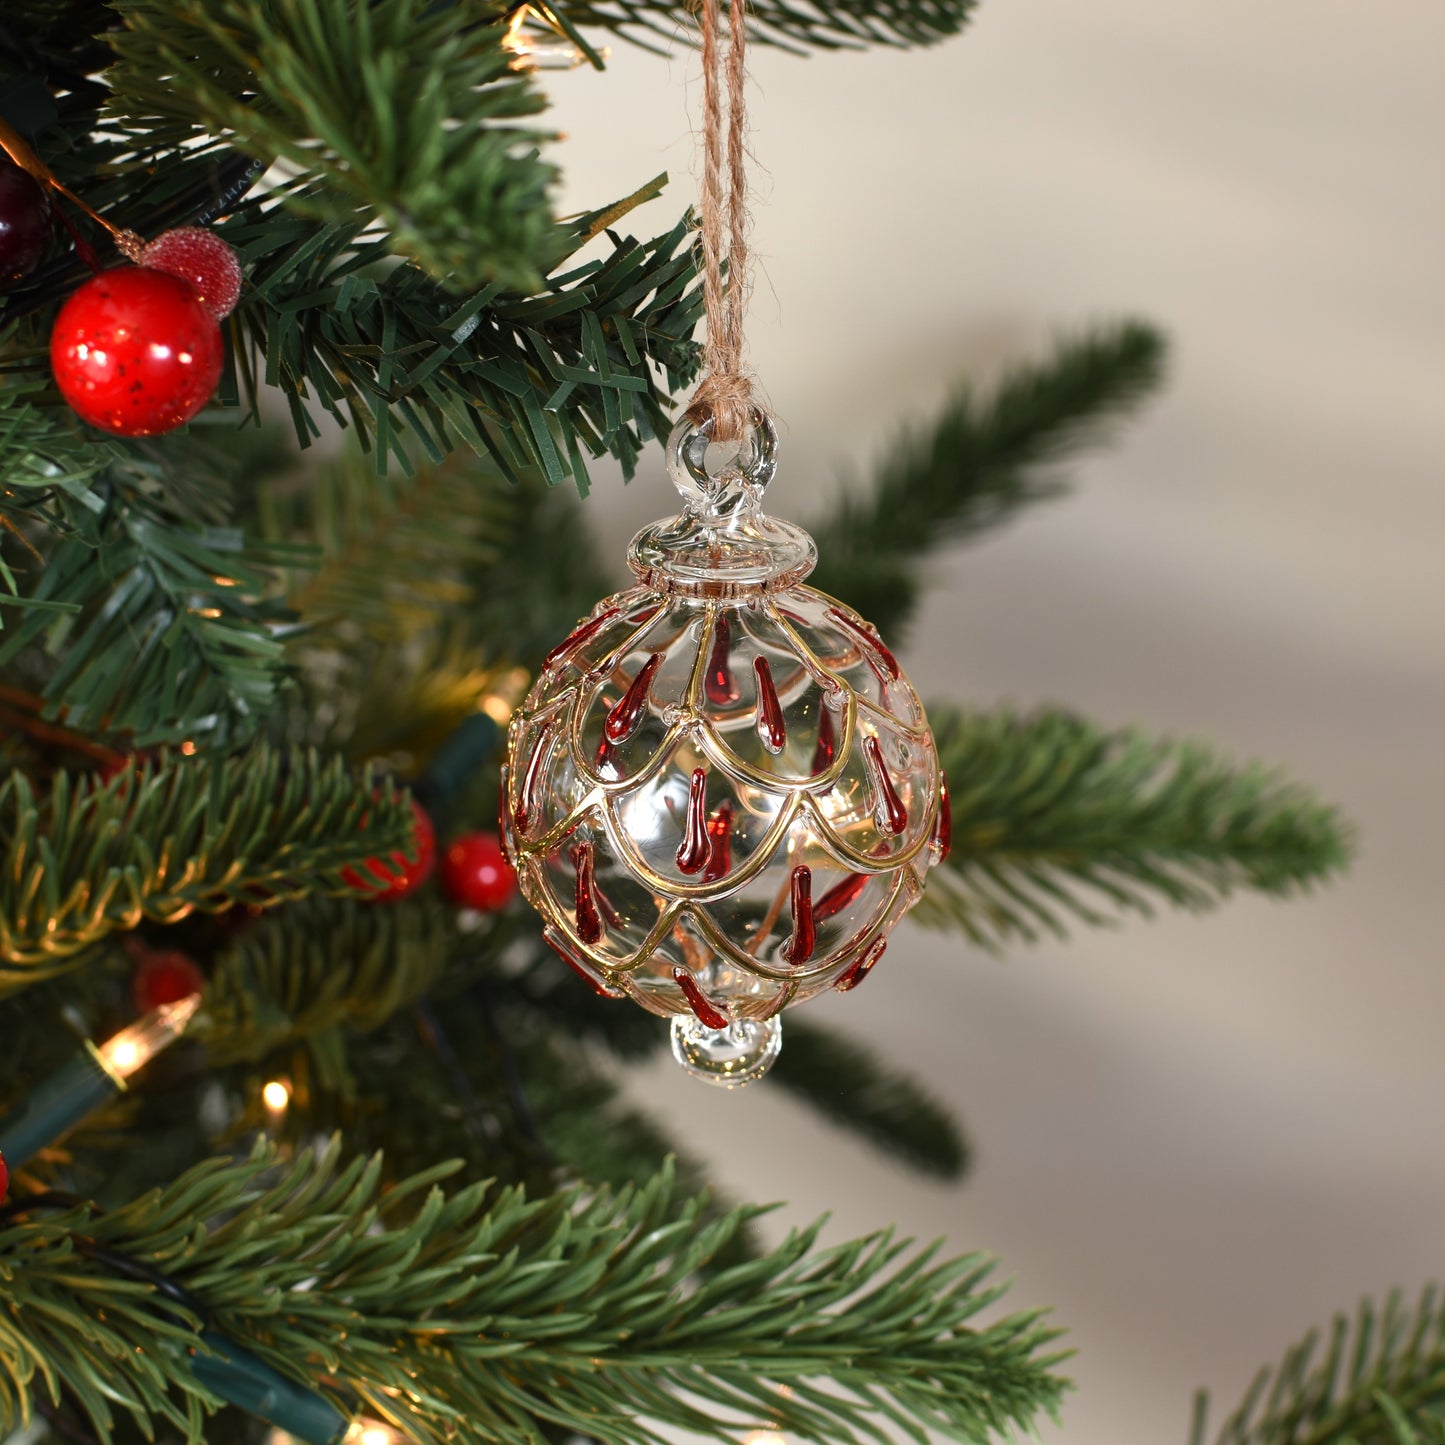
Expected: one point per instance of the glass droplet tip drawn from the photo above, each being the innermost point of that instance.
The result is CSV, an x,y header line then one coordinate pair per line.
x,y
730,1057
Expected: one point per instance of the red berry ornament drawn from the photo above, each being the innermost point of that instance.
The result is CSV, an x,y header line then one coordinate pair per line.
x,y
135,351
475,873
24,222
385,882
202,258
164,978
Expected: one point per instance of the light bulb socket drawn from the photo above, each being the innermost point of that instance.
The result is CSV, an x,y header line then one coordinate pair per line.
x,y
80,1086
248,1382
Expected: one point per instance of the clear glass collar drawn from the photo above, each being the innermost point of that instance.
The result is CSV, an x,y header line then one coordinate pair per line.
x,y
723,544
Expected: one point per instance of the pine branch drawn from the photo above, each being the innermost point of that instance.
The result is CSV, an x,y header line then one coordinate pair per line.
x,y
407,108
317,967
480,1318
83,860
165,627
848,1086
548,575
1378,1381
46,465
394,552
1056,819
977,464
815,24
529,381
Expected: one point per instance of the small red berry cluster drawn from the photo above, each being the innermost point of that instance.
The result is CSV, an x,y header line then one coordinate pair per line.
x,y
474,871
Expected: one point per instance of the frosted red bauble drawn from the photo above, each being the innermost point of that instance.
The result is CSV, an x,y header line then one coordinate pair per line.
x,y
386,881
163,978
201,257
475,873
135,351
24,222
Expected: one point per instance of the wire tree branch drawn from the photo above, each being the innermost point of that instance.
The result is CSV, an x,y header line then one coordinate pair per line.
x,y
330,87
83,859
794,25
982,459
1057,820
1376,1380
485,1316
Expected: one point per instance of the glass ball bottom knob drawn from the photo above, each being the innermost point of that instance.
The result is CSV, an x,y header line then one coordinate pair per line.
x,y
729,1057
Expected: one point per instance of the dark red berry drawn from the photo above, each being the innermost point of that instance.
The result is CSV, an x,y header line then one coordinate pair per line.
x,y
386,881
24,222
163,978
475,873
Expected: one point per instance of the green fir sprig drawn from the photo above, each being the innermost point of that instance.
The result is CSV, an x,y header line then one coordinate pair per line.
x,y
1378,1379
1056,820
487,1316
406,108
985,456
81,859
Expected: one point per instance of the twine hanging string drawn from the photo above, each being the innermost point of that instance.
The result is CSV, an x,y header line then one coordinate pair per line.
x,y
726,391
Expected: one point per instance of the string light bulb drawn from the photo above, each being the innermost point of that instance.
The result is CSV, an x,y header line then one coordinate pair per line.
x,y
92,1077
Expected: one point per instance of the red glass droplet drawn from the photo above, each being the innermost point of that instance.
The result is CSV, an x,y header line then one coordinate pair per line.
x,y
863,967
580,969
718,681
579,637
585,911
873,646
706,1010
840,896
827,748
528,808
695,850
799,947
771,728
720,830
888,807
623,720
606,755
943,831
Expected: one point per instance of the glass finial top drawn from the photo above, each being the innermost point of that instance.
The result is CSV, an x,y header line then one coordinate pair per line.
x,y
722,544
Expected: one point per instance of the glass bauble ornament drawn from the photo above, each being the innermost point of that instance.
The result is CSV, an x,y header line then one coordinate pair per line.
x,y
721,793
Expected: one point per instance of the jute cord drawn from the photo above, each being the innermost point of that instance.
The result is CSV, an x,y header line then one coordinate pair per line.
x,y
726,392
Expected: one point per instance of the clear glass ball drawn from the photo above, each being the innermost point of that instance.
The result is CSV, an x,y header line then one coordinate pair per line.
x,y
722,792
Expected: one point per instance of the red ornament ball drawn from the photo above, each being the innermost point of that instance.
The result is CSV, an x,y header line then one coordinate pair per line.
x,y
475,873
164,978
201,257
24,222
135,351
385,882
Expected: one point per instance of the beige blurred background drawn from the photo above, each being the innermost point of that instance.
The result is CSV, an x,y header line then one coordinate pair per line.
x,y
1194,1137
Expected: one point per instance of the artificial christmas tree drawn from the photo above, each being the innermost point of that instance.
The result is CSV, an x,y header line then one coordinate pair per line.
x,y
279,655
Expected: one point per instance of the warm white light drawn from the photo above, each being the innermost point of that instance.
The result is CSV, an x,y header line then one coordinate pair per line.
x,y
372,1432
276,1096
134,1047
124,1055
765,1437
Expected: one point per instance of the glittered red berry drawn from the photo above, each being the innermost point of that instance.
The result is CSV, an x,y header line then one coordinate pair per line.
x,y
135,351
162,978
24,222
201,257
475,873
385,882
